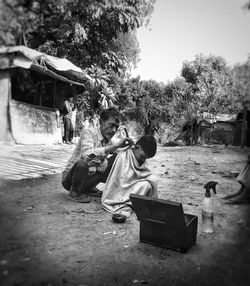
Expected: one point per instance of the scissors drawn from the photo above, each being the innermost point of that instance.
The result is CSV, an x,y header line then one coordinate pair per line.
x,y
127,142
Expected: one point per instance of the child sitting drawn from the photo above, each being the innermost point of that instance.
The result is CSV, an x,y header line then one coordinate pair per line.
x,y
130,174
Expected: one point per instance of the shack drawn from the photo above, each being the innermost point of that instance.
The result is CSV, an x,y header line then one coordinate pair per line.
x,y
218,129
33,87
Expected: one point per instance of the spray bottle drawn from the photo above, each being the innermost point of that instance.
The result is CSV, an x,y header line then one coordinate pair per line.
x,y
208,208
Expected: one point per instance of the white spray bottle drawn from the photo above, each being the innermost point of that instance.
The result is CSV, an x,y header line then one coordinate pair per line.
x,y
208,208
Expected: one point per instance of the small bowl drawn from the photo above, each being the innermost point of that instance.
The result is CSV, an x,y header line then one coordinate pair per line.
x,y
119,218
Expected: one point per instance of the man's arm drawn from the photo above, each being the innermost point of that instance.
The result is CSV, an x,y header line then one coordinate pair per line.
x,y
89,145
124,142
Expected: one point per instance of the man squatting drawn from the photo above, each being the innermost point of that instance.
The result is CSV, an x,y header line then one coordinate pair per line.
x,y
94,155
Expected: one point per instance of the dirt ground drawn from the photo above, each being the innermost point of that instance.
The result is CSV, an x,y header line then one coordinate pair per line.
x,y
46,239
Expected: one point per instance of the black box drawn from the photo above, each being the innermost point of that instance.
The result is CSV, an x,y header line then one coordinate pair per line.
x,y
163,223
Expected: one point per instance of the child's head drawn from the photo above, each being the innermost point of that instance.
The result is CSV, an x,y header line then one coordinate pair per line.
x,y
145,148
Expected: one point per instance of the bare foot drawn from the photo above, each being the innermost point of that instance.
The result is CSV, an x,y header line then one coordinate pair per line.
x,y
242,198
238,201
80,199
73,193
233,195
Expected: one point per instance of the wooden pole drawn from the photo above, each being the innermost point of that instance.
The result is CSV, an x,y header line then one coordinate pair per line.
x,y
54,94
244,128
192,133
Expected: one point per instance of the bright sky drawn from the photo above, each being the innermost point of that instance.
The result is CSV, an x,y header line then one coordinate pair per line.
x,y
181,29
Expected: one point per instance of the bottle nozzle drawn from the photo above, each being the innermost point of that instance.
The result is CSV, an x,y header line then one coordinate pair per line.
x,y
210,185
207,194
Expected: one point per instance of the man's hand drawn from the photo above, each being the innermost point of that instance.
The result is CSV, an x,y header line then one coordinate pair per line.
x,y
125,142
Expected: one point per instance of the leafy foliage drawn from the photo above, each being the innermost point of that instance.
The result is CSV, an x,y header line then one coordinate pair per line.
x,y
11,17
97,35
206,84
148,110
182,104
241,83
142,101
100,37
211,83
87,32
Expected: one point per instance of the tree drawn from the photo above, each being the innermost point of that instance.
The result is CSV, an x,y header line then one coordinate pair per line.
x,y
129,96
149,109
241,83
211,83
241,75
87,32
97,35
182,102
142,100
11,29
127,44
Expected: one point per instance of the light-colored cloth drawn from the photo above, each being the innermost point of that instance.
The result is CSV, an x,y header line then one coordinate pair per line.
x,y
96,122
91,142
127,177
86,124
244,176
73,119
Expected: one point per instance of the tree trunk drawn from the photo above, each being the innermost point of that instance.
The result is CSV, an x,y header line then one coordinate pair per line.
x,y
148,130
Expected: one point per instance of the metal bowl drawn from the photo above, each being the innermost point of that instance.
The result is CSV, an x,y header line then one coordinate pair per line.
x,y
119,218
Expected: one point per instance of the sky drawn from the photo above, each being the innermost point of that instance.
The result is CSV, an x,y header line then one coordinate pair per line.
x,y
181,29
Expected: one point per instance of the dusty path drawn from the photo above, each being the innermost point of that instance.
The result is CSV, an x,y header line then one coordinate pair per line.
x,y
19,162
47,240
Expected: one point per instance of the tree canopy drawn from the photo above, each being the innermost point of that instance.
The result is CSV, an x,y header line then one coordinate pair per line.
x,y
100,37
241,83
207,84
87,32
96,35
211,83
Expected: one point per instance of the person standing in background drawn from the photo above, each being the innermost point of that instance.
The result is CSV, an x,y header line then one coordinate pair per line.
x,y
68,108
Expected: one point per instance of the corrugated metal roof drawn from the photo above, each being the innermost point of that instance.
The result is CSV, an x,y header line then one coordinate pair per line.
x,y
211,118
61,69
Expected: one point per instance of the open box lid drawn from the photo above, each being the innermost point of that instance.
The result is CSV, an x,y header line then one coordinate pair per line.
x,y
158,211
